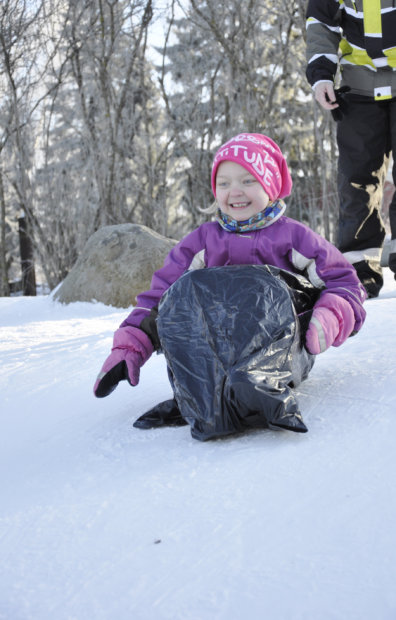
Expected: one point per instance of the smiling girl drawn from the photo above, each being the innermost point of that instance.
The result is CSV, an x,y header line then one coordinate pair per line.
x,y
239,194
249,179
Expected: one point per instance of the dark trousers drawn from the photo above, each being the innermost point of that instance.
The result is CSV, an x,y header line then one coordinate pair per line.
x,y
366,136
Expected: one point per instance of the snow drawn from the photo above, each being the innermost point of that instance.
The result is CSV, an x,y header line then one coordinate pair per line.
x,y
99,520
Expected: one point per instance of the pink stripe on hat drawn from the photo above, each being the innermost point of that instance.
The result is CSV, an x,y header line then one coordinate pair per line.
x,y
262,157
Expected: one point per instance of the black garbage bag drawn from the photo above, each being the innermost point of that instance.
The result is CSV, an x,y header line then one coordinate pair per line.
x,y
233,341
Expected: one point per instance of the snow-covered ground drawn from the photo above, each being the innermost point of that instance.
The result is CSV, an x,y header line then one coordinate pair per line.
x,y
99,520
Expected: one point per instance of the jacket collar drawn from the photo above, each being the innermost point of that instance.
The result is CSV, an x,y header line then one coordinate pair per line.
x,y
260,220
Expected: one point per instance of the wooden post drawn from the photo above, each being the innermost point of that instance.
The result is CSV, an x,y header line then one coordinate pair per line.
x,y
27,261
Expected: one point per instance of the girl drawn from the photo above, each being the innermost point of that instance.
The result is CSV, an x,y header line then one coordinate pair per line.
x,y
249,179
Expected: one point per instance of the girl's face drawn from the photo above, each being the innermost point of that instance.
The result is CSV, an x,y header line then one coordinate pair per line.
x,y
238,193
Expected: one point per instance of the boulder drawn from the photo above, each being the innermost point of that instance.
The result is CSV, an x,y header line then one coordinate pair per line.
x,y
117,264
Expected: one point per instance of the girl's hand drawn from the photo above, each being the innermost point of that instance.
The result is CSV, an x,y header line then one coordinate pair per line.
x,y
131,349
331,323
322,331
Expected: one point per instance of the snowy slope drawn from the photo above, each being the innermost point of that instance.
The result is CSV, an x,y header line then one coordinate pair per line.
x,y
99,520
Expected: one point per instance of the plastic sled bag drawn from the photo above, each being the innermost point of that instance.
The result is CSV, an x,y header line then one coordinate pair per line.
x,y
233,342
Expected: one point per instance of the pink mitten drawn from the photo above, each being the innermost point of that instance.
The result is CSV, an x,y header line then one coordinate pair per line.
x,y
331,323
131,349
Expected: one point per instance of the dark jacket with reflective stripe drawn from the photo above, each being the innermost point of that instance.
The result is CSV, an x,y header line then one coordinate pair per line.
x,y
363,43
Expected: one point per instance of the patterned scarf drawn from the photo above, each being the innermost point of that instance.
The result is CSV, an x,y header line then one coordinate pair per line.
x,y
260,220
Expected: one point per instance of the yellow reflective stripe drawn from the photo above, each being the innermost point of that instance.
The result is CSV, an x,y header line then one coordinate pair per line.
x,y
377,98
372,17
391,56
382,92
355,55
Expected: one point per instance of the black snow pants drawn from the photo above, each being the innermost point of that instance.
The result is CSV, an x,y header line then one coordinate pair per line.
x,y
366,137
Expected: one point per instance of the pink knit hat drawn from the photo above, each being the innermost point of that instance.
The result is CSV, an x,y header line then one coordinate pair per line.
x,y
261,157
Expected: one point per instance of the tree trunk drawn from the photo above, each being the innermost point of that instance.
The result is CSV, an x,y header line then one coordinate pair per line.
x,y
27,261
4,284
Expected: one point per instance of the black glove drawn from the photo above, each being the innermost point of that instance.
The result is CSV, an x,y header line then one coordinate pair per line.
x,y
343,105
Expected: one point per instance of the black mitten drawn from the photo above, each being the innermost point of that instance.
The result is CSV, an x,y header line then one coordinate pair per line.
x,y
343,105
106,382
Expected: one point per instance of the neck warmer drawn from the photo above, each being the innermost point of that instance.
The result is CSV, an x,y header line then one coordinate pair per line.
x,y
264,218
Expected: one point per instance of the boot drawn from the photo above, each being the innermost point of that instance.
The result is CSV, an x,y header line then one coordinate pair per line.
x,y
164,414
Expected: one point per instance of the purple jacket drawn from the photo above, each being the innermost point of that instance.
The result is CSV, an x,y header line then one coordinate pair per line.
x,y
286,244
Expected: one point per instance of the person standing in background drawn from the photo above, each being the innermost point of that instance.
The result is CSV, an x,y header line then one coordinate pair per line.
x,y
358,38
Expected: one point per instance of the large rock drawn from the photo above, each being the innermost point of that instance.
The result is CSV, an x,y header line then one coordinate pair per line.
x,y
116,264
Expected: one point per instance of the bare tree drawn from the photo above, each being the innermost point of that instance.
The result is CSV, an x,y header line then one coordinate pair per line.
x,y
100,143
18,56
104,144
105,40
23,67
